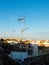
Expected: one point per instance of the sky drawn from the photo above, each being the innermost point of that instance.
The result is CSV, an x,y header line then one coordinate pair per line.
x,y
35,14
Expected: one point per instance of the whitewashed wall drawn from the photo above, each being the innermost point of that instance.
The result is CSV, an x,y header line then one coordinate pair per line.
x,y
18,55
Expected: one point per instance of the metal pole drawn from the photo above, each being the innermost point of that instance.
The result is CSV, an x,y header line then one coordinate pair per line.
x,y
21,19
12,36
22,31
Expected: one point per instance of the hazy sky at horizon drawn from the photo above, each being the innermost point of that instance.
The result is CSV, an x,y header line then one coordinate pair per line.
x,y
35,13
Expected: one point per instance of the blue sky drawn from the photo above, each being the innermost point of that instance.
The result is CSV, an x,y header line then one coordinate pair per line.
x,y
35,13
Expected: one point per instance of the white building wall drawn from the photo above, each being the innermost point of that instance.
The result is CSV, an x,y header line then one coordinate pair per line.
x,y
18,55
